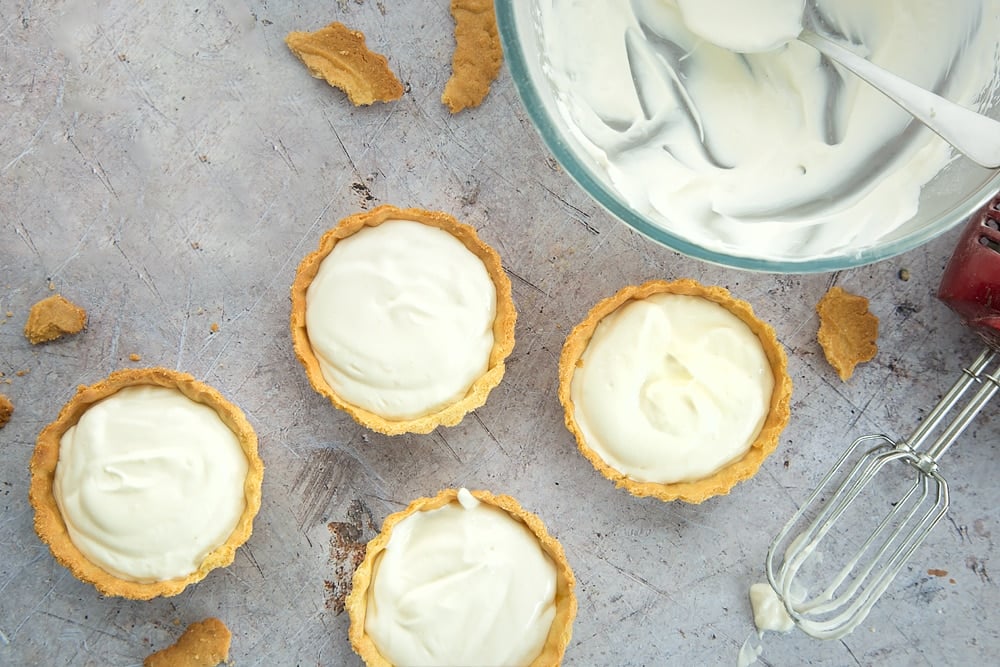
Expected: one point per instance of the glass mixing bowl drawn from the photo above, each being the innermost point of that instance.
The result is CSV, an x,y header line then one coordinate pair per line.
x,y
948,199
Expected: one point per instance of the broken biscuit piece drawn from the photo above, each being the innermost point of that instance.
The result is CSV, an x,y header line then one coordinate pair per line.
x,y
847,331
477,57
52,318
339,55
203,644
6,410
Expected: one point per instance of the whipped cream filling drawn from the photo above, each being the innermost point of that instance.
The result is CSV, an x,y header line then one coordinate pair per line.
x,y
465,584
671,388
149,483
400,317
777,155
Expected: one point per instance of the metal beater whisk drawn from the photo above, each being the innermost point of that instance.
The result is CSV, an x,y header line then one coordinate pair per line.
x,y
971,287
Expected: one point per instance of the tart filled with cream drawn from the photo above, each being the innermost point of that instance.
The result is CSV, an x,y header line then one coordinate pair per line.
x,y
145,482
674,389
403,318
463,578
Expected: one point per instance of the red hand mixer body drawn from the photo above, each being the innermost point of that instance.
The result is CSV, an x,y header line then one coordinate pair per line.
x,y
971,282
846,592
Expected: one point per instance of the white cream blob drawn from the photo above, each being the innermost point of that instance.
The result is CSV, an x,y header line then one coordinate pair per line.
x,y
775,155
149,483
465,584
744,26
769,612
671,388
769,615
400,317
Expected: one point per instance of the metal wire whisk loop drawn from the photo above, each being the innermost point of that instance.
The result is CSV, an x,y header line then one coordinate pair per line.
x,y
845,598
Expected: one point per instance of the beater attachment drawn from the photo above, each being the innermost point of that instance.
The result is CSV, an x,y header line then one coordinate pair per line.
x,y
846,595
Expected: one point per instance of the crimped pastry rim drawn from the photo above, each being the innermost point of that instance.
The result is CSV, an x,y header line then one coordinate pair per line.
x,y
51,528
503,323
722,481
561,629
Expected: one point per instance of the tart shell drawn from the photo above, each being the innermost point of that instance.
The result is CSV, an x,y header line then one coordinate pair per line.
x,y
723,480
565,600
503,323
49,524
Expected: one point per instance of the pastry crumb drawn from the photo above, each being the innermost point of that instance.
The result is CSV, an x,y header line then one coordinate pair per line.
x,y
6,410
22,373
135,357
10,313
52,318
477,57
847,331
214,327
339,56
203,644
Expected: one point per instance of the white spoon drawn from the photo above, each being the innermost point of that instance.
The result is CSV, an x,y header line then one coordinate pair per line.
x,y
755,26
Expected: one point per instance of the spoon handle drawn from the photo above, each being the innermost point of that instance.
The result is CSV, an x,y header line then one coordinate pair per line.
x,y
974,135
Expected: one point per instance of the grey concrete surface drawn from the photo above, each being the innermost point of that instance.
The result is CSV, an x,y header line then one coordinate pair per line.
x,y
167,163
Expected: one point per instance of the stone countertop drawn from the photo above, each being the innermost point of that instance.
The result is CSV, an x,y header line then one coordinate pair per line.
x,y
166,164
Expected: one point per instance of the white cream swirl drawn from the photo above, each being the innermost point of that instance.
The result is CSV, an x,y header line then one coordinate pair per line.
x,y
400,317
464,584
671,388
149,483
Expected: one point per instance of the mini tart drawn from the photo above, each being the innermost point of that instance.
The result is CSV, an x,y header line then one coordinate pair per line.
x,y
724,479
565,600
49,524
503,323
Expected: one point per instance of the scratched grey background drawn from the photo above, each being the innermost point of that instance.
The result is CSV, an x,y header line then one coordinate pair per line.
x,y
166,164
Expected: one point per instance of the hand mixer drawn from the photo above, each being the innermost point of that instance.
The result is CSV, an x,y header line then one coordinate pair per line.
x,y
824,524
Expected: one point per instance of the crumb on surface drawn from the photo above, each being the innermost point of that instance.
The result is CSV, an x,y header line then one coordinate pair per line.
x,y
847,330
478,54
6,410
135,357
339,56
52,318
203,644
22,373
215,327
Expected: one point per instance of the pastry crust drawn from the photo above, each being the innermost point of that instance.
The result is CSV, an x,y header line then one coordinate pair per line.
x,y
339,55
847,331
723,480
565,599
6,410
52,318
503,324
203,644
49,523
478,54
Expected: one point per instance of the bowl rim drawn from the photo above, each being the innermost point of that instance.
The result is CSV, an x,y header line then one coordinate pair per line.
x,y
554,139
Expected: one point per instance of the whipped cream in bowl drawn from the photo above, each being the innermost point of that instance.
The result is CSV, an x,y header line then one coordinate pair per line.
x,y
775,160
